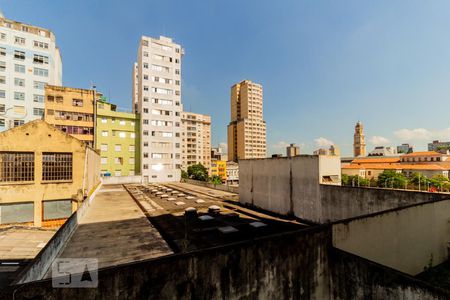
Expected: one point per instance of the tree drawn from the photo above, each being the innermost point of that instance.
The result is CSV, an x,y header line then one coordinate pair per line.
x,y
184,174
345,179
391,178
216,180
198,172
438,181
419,180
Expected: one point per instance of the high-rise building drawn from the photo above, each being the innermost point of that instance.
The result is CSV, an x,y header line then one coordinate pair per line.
x,y
135,88
71,110
292,150
196,140
438,146
247,129
29,59
359,145
117,137
159,105
406,148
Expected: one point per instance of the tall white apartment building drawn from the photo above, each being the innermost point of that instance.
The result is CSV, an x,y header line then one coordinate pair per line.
x,y
29,59
196,140
158,75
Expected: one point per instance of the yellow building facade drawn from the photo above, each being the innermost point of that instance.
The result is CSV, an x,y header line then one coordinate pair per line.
x,y
71,110
219,168
44,174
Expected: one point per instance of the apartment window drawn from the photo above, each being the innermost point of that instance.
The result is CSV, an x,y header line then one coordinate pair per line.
x,y
118,160
20,55
132,123
41,72
38,98
145,144
18,123
131,148
41,45
131,160
131,173
77,102
145,65
122,134
145,54
19,82
177,82
38,111
145,167
56,166
19,40
117,147
104,133
2,122
19,96
103,160
39,85
16,166
145,99
19,68
2,94
104,120
2,51
118,173
177,61
3,36
2,66
177,71
40,59
104,147
2,108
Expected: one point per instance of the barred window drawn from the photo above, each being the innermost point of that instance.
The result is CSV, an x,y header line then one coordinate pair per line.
x,y
16,166
56,166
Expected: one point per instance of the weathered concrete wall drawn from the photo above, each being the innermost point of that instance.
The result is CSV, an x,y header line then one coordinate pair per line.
x,y
353,277
287,266
221,187
121,179
404,239
343,202
295,265
292,186
92,171
42,262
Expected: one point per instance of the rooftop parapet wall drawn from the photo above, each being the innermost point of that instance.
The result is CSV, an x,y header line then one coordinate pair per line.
x,y
292,186
406,239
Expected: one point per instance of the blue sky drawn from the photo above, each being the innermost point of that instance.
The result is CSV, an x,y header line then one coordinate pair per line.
x,y
323,64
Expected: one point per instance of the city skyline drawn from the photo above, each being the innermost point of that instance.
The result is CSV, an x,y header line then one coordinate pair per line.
x,y
312,72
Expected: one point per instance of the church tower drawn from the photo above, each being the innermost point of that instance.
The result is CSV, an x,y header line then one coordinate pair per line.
x,y
359,145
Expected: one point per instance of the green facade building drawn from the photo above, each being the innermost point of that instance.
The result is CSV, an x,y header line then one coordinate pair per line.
x,y
117,137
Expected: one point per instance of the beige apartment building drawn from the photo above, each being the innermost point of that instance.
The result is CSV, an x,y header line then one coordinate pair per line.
x,y
72,111
196,140
247,129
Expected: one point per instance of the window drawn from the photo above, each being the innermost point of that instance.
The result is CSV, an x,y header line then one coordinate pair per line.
x,y
122,122
132,135
38,98
40,45
19,96
56,166
39,85
16,166
2,94
19,82
117,147
2,122
56,209
18,123
118,173
40,72
16,213
118,160
104,160
131,148
2,51
19,40
2,108
77,102
177,71
2,36
20,55
145,65
131,160
104,120
38,111
2,66
145,167
19,68
2,79
104,133
104,147
40,59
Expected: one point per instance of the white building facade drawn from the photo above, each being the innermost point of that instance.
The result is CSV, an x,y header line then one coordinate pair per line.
x,y
158,75
196,140
29,59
